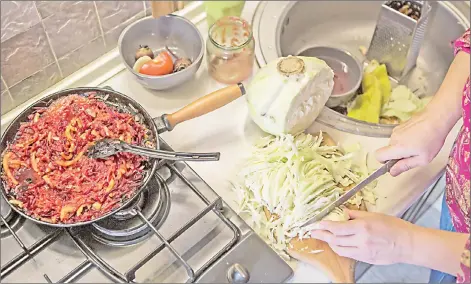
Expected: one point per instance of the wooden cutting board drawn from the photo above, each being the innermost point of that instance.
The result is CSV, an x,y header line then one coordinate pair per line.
x,y
338,269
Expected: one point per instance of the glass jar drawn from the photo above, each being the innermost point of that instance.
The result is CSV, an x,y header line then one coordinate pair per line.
x,y
230,51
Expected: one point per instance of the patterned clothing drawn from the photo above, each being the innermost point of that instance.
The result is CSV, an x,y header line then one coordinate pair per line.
x,y
458,172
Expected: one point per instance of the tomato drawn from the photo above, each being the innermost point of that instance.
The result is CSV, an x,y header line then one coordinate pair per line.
x,y
162,64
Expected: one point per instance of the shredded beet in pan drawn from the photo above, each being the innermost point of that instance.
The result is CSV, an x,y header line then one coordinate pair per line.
x,y
47,173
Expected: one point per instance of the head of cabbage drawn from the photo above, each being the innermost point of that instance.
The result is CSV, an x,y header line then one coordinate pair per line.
x,y
287,94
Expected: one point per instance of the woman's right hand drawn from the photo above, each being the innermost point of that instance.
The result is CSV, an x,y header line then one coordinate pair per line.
x,y
415,143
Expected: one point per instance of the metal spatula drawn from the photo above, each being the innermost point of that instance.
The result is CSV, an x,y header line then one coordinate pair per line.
x,y
108,147
397,38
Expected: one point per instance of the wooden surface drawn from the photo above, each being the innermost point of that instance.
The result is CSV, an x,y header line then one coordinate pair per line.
x,y
161,8
206,104
338,269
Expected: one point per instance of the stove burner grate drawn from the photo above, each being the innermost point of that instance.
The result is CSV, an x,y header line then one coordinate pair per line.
x,y
126,228
151,209
130,210
10,220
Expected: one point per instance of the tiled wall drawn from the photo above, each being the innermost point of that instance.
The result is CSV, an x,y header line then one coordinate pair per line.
x,y
43,42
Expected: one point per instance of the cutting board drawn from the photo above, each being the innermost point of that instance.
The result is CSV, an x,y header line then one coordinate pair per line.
x,y
339,269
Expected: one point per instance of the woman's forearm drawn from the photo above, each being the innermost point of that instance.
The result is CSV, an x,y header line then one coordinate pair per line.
x,y
446,104
436,249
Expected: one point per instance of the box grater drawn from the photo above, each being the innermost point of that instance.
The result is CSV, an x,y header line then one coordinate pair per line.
x,y
398,37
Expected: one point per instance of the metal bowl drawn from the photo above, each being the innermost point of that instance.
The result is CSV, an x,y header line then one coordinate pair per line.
x,y
283,28
179,34
347,70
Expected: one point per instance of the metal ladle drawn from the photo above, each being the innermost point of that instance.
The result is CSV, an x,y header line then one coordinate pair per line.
x,y
109,147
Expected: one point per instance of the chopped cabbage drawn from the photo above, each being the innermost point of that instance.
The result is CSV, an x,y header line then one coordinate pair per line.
x,y
294,177
403,104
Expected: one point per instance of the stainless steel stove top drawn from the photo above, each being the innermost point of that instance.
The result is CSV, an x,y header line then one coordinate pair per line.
x,y
178,230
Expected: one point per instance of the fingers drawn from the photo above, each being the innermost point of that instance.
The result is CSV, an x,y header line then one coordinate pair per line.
x,y
345,246
332,239
345,251
408,158
393,152
357,214
405,165
339,228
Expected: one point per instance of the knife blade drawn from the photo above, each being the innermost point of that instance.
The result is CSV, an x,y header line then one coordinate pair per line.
x,y
350,193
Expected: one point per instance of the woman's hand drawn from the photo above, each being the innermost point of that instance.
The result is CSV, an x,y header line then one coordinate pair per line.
x,y
415,143
381,239
368,237
420,139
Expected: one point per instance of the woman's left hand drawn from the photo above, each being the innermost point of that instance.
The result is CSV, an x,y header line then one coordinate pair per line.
x,y
368,237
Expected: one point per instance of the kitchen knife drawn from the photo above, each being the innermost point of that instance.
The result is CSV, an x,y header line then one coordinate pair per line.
x,y
350,193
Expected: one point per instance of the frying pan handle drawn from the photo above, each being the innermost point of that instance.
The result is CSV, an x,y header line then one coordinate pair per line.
x,y
204,105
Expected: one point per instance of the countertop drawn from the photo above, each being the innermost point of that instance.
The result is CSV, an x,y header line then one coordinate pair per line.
x,y
230,131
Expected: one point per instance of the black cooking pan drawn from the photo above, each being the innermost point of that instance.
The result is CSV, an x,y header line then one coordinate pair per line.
x,y
123,103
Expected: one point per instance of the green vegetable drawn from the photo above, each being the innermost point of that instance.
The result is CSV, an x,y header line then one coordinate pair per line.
x,y
376,92
372,65
378,100
403,104
287,94
294,177
367,107
382,75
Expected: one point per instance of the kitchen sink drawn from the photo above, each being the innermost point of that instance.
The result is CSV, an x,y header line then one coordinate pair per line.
x,y
290,27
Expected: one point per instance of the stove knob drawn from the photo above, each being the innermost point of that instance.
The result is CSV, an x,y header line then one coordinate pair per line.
x,y
238,274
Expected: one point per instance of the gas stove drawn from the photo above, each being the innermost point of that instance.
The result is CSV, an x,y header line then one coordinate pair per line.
x,y
178,230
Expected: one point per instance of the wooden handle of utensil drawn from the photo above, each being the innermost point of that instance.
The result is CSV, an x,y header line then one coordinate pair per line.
x,y
337,268
206,104
160,8
180,5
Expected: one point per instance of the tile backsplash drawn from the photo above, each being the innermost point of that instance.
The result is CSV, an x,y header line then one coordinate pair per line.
x,y
43,42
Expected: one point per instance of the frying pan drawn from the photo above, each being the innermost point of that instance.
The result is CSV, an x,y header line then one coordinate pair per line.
x,y
123,103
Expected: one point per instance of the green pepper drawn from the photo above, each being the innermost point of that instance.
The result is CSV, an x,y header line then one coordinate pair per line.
x,y
367,107
381,74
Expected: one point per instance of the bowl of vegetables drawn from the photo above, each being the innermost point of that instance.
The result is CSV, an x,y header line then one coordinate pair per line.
x,y
162,52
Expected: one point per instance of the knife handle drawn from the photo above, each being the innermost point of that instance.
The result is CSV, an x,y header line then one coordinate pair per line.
x,y
389,164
